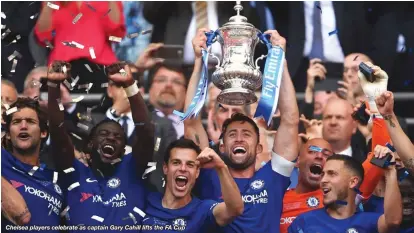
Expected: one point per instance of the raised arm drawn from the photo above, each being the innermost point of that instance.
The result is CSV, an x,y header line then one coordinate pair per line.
x,y
62,147
232,206
144,128
286,138
193,128
401,142
13,206
390,221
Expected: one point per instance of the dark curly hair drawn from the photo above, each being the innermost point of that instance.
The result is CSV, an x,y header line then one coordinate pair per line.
x,y
239,117
26,102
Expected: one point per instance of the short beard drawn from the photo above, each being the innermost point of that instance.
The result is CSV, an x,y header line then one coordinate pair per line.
x,y
166,104
25,152
236,166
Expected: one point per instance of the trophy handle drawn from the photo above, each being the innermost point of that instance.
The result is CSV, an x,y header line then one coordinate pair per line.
x,y
218,60
258,59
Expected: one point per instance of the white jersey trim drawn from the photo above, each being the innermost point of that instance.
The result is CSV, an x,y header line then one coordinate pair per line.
x,y
281,165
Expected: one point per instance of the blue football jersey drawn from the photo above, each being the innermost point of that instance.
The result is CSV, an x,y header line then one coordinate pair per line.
x,y
92,201
262,196
374,204
196,217
318,221
44,199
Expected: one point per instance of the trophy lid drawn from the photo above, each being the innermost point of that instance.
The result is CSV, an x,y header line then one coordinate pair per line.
x,y
238,19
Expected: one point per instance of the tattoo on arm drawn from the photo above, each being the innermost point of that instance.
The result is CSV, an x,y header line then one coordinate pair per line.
x,y
389,119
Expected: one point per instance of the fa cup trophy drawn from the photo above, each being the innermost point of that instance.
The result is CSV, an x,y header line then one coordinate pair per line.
x,y
238,76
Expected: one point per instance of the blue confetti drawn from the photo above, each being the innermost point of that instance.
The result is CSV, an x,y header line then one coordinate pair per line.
x,y
42,166
390,147
317,6
53,33
333,32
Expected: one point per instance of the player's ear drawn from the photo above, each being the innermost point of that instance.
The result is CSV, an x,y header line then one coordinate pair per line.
x,y
164,168
354,182
221,146
259,148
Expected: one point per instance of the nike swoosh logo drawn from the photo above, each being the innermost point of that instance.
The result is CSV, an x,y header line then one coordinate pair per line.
x,y
90,181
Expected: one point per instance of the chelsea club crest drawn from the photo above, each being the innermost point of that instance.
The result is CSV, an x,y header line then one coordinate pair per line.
x,y
313,202
179,223
114,183
257,184
57,189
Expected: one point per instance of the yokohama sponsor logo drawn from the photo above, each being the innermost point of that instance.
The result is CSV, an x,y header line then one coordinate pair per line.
x,y
287,220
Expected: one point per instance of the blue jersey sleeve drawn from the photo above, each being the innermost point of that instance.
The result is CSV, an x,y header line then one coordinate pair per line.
x,y
208,206
297,225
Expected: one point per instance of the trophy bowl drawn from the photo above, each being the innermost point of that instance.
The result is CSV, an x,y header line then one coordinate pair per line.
x,y
238,76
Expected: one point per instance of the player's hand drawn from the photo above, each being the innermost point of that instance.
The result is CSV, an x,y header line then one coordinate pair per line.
x,y
82,157
385,103
213,129
146,60
378,86
199,41
346,92
381,151
276,39
58,71
120,74
208,158
316,69
313,128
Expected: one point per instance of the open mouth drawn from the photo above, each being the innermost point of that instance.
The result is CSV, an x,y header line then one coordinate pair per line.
x,y
239,150
23,136
181,181
326,191
316,169
108,150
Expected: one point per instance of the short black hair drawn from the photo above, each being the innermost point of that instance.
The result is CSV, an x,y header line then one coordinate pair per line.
x,y
239,117
26,102
350,163
180,143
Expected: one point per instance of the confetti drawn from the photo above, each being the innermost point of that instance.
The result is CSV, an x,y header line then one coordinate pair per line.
x,y
34,169
146,32
68,85
369,9
109,10
79,46
407,82
133,218
55,177
34,16
48,44
89,68
91,7
356,57
3,16
333,32
65,211
115,39
76,19
74,82
7,32
139,211
103,85
61,124
123,72
69,170
6,106
53,6
3,27
64,69
74,185
157,144
133,35
139,124
13,69
76,136
92,52
97,218
78,99
51,84
70,44
82,126
61,108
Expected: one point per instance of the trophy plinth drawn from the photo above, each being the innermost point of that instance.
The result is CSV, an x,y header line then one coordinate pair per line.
x,y
238,76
